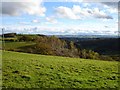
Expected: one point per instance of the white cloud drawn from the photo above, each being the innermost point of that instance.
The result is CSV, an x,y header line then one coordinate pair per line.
x,y
33,7
64,30
24,23
110,7
76,12
100,14
51,20
111,4
35,21
86,4
66,12
112,10
81,11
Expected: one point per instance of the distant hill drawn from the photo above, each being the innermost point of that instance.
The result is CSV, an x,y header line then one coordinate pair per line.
x,y
88,36
105,46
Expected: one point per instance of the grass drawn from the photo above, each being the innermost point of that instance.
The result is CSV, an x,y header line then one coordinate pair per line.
x,y
22,70
0,69
17,45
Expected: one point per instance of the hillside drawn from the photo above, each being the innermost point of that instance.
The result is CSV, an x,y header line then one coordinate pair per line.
x,y
22,70
103,46
87,48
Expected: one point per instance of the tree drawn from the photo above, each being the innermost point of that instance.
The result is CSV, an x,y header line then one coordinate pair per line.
x,y
43,48
84,53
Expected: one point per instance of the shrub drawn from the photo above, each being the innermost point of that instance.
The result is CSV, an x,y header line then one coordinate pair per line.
x,y
104,57
54,46
43,48
25,38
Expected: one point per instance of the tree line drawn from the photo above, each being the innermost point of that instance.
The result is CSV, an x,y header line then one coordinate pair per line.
x,y
52,45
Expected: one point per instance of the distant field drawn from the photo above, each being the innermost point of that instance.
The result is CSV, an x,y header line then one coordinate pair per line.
x,y
22,70
16,45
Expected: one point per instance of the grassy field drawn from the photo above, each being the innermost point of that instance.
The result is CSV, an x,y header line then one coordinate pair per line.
x,y
16,45
22,70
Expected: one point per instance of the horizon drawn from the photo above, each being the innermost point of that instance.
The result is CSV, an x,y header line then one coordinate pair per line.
x,y
64,35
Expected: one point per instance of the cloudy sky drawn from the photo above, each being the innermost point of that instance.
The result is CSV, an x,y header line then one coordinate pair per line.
x,y
60,18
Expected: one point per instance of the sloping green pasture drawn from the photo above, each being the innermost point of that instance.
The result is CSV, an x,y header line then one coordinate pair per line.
x,y
22,70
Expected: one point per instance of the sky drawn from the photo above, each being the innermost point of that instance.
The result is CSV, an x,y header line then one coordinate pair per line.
x,y
59,18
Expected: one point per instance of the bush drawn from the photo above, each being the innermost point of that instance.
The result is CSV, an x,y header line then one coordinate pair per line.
x,y
104,57
54,46
89,54
25,38
44,49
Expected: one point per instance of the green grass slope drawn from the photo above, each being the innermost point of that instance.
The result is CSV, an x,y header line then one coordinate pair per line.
x,y
16,45
21,70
